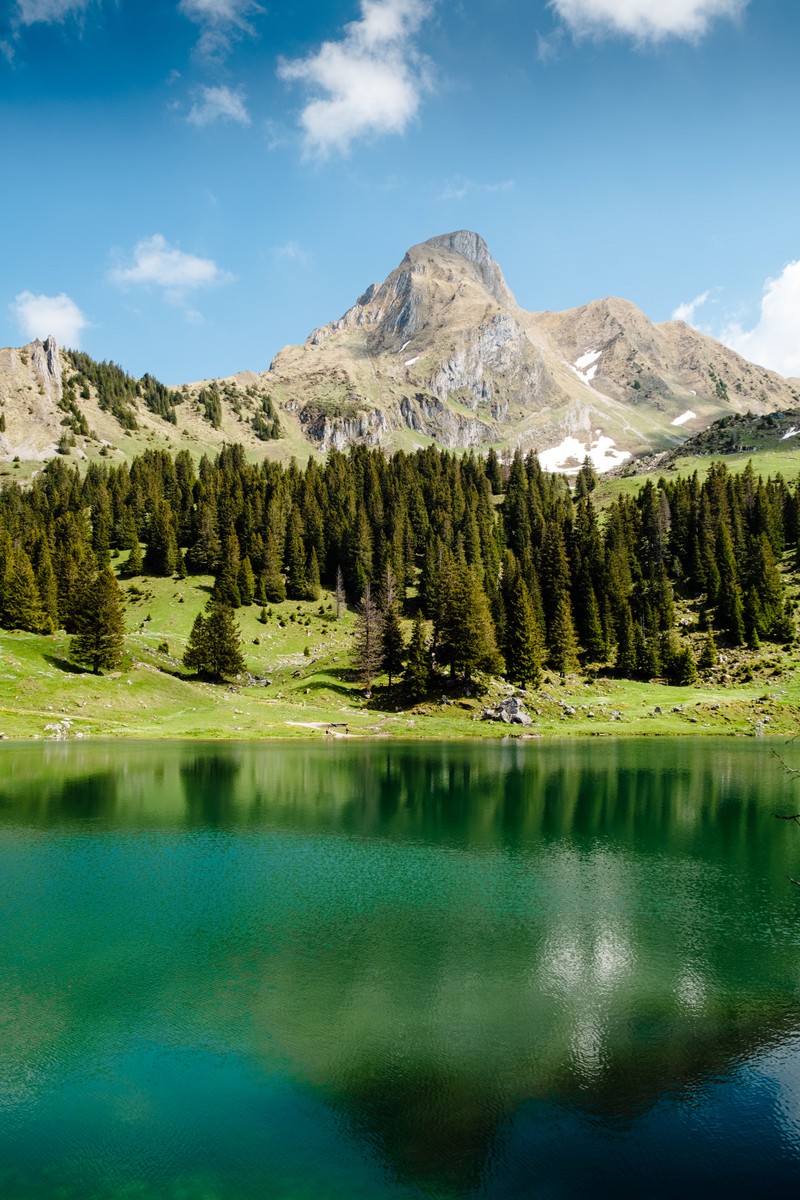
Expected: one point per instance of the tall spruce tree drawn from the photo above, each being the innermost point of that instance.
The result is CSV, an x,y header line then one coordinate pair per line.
x,y
22,604
369,639
392,642
48,588
417,673
563,641
522,636
161,556
214,648
226,583
465,636
98,641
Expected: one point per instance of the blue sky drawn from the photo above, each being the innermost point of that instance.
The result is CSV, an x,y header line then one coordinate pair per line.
x,y
188,185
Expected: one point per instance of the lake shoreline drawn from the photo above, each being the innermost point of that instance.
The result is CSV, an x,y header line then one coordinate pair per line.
x,y
45,696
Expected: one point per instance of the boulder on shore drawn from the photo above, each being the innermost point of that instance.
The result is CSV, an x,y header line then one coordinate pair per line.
x,y
510,711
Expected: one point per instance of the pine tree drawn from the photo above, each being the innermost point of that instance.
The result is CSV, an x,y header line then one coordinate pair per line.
x,y
48,589
202,558
339,594
586,479
214,648
522,639
22,605
226,584
312,575
161,556
369,640
98,640
296,578
463,626
708,655
417,673
392,642
563,642
272,581
246,582
134,564
626,642
730,606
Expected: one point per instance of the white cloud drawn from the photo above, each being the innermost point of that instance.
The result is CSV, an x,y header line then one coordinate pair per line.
x,y
39,316
218,104
34,12
645,20
157,264
371,81
460,187
221,22
774,341
293,252
686,311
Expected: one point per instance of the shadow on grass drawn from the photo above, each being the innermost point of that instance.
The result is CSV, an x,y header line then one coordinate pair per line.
x,y
334,680
64,664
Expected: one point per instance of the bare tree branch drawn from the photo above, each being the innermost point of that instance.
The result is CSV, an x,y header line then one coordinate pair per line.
x,y
786,768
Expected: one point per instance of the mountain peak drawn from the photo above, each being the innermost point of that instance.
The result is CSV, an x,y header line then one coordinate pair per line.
x,y
471,247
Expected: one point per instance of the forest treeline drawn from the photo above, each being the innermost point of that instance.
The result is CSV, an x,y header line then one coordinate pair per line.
x,y
512,568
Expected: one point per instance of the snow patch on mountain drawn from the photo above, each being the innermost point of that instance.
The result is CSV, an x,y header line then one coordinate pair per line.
x,y
568,456
585,367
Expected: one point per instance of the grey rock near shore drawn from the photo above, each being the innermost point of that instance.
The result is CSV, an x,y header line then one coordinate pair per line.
x,y
510,712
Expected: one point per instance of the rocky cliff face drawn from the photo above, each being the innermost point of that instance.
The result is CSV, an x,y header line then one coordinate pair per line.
x,y
442,349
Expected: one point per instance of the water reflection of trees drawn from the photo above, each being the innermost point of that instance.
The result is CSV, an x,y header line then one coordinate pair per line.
x,y
490,926
209,781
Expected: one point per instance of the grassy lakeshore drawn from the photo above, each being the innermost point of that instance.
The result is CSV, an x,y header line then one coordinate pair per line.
x,y
299,659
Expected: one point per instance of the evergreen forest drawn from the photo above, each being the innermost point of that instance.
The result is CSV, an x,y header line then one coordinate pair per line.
x,y
503,568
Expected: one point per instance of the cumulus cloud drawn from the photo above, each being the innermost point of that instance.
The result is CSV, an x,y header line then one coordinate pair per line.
x,y
39,316
774,341
218,104
157,264
33,12
370,82
645,20
686,311
221,22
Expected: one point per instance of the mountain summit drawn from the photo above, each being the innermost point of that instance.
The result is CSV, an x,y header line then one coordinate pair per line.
x,y
441,350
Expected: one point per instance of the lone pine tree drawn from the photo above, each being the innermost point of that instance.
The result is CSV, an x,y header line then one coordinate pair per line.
x,y
98,640
214,648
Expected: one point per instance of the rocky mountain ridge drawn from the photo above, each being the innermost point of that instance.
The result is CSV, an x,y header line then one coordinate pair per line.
x,y
439,352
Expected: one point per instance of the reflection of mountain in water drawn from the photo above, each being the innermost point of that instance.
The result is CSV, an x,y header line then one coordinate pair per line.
x,y
430,938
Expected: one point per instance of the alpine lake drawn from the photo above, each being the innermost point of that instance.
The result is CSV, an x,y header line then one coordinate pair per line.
x,y
273,971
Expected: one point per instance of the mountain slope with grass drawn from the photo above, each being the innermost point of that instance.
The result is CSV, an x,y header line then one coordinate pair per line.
x,y
439,353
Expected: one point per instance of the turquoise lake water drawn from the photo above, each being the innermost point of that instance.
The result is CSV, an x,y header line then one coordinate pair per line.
x,y
385,970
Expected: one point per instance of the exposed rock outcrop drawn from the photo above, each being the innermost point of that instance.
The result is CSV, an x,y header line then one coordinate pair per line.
x,y
47,365
442,348
510,712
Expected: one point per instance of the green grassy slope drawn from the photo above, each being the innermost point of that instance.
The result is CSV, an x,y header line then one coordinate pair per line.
x,y
293,693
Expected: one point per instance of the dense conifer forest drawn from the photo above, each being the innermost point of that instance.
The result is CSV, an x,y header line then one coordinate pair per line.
x,y
504,568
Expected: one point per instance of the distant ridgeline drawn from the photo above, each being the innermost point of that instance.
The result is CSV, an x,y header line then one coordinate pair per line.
x,y
119,393
512,569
